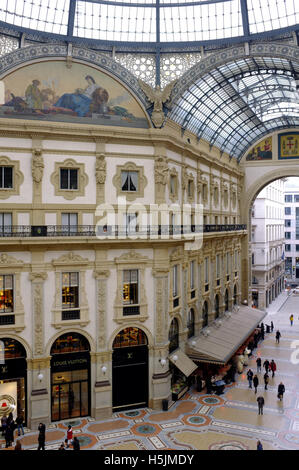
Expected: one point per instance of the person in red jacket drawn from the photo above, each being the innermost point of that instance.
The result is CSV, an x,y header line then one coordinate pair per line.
x,y
69,435
273,367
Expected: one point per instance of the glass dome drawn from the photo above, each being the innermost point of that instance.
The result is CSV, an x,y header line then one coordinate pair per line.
x,y
152,21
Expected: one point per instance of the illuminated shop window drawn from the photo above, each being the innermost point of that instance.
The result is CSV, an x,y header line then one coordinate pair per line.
x,y
130,287
6,293
70,290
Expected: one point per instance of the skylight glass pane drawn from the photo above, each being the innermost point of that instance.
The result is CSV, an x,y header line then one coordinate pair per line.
x,y
115,22
272,14
42,15
200,22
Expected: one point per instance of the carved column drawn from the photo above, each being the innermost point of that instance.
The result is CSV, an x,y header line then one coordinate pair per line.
x,y
101,276
100,172
37,170
37,279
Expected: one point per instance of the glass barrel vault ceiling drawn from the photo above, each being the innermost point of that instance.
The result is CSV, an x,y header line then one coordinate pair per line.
x,y
237,103
153,21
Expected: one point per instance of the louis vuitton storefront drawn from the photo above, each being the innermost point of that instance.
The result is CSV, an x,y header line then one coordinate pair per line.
x,y
70,377
13,378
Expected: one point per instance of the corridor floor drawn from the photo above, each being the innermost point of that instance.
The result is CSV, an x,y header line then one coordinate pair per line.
x,y
202,422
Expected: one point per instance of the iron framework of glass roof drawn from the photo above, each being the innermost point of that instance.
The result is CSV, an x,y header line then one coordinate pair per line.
x,y
237,103
162,24
231,106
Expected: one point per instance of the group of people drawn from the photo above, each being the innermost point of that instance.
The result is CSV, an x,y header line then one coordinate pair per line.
x,y
8,426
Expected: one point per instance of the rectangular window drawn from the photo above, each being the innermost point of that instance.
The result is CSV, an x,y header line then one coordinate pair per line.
x,y
69,222
70,291
6,177
218,260
287,235
287,247
287,211
288,198
175,281
207,274
5,223
297,247
287,223
296,198
190,188
192,275
129,180
68,178
130,287
6,293
172,184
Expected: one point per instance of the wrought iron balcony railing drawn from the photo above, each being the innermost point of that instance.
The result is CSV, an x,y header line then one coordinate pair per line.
x,y
21,231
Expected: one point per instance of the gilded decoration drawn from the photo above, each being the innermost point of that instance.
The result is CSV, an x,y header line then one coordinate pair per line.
x,y
17,178
69,194
142,181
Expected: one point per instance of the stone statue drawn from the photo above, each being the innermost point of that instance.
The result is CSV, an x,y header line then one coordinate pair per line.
x,y
161,170
100,168
37,165
158,97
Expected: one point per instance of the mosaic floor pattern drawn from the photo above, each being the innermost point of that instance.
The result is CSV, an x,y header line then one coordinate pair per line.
x,y
199,421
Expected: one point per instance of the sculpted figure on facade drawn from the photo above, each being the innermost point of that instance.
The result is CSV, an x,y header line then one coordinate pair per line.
x,y
158,97
100,168
37,165
161,177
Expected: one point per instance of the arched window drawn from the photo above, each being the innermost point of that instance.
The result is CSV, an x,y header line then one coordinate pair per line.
x,y
226,300
205,314
216,306
70,343
130,337
190,323
173,335
13,349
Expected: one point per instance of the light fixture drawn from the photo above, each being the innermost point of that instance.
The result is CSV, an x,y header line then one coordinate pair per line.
x,y
162,361
175,358
40,376
104,369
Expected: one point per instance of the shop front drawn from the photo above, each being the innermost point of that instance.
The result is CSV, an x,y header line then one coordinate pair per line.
x,y
70,377
13,379
130,370
181,368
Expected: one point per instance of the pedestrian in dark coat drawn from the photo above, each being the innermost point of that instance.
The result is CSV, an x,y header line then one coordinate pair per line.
x,y
3,424
266,380
250,377
278,335
281,390
260,401
9,435
76,443
266,365
272,326
259,364
259,445
255,383
273,367
41,436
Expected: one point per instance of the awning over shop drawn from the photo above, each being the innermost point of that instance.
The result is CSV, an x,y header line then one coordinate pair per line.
x,y
225,336
182,362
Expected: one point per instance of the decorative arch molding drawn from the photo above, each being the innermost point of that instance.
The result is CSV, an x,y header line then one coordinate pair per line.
x,y
143,328
221,57
53,338
44,52
22,341
260,183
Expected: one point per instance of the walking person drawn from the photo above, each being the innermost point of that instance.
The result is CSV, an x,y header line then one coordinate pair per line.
x,y
259,364
259,445
273,367
19,423
250,377
277,336
281,390
260,401
3,424
272,327
255,383
9,435
41,436
291,319
69,435
76,443
266,365
266,380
